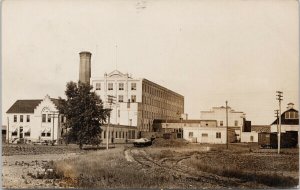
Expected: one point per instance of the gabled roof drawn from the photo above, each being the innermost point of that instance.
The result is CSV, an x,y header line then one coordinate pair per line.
x,y
24,106
27,106
116,73
285,121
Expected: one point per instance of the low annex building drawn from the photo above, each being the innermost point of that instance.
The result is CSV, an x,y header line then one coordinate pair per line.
x,y
34,120
252,135
197,131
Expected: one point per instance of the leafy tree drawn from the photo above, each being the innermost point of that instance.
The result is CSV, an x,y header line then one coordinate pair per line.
x,y
84,114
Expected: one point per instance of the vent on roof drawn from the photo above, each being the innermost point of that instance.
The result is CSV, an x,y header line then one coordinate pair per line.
x,y
290,106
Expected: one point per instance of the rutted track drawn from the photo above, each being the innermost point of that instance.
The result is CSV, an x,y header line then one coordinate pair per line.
x,y
174,167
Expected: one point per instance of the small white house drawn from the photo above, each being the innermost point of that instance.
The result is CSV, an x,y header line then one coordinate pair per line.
x,y
34,120
213,135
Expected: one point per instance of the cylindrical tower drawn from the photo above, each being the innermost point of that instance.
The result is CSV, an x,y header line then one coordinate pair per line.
x,y
85,67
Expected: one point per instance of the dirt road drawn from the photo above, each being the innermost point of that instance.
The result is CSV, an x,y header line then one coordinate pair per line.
x,y
181,174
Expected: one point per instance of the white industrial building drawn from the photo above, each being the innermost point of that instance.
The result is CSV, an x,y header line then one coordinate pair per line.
x,y
197,131
138,101
236,119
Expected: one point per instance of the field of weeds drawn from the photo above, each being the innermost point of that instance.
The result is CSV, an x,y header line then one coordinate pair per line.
x,y
107,169
190,166
24,149
244,162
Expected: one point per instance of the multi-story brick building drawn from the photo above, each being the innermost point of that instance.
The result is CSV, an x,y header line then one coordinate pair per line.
x,y
137,101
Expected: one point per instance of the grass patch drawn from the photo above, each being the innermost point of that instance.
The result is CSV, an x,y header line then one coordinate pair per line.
x,y
272,179
106,169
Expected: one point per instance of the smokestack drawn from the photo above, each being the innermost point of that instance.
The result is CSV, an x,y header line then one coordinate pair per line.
x,y
85,67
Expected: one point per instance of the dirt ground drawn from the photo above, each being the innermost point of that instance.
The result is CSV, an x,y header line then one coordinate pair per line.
x,y
187,166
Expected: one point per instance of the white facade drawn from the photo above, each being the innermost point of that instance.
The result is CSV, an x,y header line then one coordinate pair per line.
x,y
127,93
285,128
137,101
213,135
40,123
249,136
235,118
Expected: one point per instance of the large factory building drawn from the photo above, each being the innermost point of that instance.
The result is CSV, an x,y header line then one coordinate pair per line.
x,y
138,101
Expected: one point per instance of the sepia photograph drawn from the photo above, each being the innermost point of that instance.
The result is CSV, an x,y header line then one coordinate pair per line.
x,y
150,94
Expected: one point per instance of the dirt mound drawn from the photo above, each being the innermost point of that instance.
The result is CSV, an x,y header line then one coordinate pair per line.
x,y
161,142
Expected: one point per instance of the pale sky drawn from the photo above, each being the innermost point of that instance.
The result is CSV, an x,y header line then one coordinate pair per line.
x,y
242,51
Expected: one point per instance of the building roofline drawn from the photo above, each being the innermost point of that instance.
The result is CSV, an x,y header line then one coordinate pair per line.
x,y
146,80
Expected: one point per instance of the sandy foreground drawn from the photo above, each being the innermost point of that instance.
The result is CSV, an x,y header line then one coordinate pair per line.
x,y
16,168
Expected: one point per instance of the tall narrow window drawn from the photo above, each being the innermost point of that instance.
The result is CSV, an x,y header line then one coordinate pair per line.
x,y
121,98
128,103
110,86
49,118
15,118
98,86
218,135
133,98
190,134
236,123
21,118
121,86
221,123
43,118
133,86
119,114
28,118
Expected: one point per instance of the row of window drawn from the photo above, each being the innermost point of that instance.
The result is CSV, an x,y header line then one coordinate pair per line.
x,y
161,104
218,135
236,123
162,94
110,86
121,98
21,118
27,134
291,115
46,118
15,133
119,134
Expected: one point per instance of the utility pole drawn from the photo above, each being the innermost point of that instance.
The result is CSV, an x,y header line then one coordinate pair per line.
x,y
277,116
279,98
226,124
7,130
110,101
53,116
